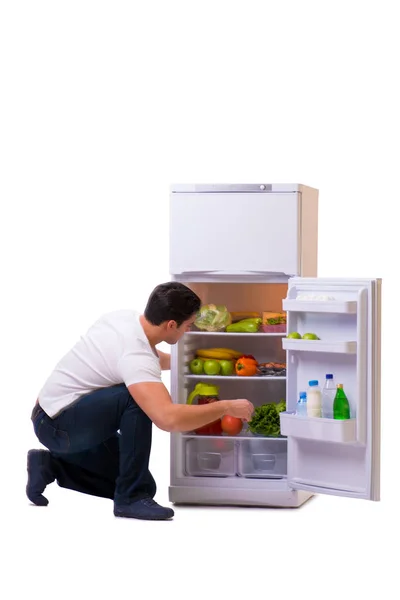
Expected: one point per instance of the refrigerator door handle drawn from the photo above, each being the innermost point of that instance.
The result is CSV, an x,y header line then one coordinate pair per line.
x,y
362,391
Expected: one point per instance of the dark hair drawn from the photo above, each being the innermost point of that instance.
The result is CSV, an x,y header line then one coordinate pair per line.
x,y
171,301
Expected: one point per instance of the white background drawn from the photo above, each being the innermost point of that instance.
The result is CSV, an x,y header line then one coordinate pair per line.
x,y
103,106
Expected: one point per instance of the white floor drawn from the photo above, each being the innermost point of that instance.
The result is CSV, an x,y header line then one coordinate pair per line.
x,y
330,548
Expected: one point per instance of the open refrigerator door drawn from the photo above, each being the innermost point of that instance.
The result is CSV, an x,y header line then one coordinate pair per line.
x,y
328,455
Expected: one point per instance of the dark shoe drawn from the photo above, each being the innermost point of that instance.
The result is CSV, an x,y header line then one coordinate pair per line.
x,y
146,508
40,474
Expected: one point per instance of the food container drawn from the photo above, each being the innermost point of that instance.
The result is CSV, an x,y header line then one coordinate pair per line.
x,y
281,328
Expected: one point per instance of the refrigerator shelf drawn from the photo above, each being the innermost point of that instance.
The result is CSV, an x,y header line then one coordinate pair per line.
x,y
319,346
244,435
236,377
326,430
232,333
320,306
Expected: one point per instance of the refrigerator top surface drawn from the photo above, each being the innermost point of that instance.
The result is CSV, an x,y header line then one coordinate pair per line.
x,y
237,187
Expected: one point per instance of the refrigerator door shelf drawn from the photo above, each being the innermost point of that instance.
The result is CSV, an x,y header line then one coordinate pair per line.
x,y
319,346
320,306
325,430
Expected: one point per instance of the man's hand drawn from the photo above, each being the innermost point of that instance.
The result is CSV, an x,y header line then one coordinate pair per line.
x,y
243,409
155,401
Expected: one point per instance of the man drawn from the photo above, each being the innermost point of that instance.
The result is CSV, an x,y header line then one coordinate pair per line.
x,y
95,412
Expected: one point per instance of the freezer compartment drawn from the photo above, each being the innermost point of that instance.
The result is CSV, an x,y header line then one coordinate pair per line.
x,y
263,458
230,247
210,457
326,430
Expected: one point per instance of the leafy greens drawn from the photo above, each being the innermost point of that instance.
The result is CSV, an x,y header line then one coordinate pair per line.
x,y
265,420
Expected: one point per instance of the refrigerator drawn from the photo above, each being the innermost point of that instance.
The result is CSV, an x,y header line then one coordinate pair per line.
x,y
253,247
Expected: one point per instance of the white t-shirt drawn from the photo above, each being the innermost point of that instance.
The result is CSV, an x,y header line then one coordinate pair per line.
x,y
114,350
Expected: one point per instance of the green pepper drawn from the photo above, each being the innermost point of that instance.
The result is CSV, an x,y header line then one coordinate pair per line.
x,y
252,320
244,326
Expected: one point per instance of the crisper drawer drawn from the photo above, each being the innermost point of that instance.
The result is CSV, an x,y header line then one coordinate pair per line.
x,y
210,457
263,458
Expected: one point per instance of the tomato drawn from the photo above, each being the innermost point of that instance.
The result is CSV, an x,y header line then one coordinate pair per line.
x,y
231,425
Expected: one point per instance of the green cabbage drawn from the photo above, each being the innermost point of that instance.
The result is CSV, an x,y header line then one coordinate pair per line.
x,y
213,317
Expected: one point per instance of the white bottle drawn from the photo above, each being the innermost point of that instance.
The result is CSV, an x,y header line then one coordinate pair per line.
x,y
301,410
314,399
328,396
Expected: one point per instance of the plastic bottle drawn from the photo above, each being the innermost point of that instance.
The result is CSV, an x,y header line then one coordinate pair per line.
x,y
341,407
328,396
301,409
314,399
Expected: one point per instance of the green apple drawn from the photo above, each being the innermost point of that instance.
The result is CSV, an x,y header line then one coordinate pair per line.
x,y
212,367
294,335
227,367
196,366
310,336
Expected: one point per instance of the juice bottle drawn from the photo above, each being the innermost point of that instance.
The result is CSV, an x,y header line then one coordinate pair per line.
x,y
341,406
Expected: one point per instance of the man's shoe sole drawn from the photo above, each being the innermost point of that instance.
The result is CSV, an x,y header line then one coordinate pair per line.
x,y
126,516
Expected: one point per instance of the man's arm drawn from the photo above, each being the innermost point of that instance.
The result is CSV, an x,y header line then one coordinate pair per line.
x,y
165,360
155,401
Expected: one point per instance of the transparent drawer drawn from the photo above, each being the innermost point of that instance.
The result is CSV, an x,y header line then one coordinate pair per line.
x,y
263,458
210,458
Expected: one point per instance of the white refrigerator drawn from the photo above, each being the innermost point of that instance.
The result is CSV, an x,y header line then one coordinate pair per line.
x,y
225,244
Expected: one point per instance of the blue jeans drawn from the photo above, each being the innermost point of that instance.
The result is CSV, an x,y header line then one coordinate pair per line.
x,y
100,445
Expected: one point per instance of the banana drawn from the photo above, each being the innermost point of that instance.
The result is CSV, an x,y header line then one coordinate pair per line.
x,y
235,353
218,353
214,354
